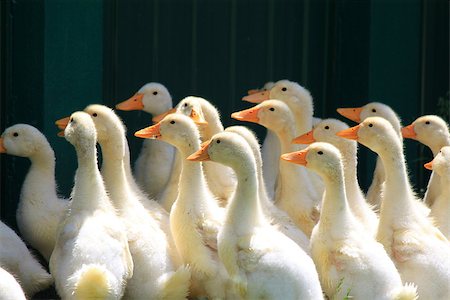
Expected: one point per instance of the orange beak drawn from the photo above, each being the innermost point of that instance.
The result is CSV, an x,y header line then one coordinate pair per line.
x,y
297,157
2,146
62,124
158,118
198,118
249,115
408,132
134,103
253,91
307,138
429,165
151,132
349,133
257,97
201,154
353,114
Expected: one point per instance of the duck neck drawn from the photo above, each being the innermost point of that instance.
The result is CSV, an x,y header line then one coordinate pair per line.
x,y
244,211
114,174
335,211
441,143
350,174
40,179
88,182
303,113
398,194
192,182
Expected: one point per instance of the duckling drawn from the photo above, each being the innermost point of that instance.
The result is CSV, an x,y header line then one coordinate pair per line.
x,y
301,104
276,216
261,262
433,132
17,260
349,261
91,256
154,275
374,109
154,163
293,192
417,247
40,209
325,131
441,206
195,216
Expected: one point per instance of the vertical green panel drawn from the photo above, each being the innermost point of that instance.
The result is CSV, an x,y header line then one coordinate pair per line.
x,y
22,64
73,71
395,64
346,80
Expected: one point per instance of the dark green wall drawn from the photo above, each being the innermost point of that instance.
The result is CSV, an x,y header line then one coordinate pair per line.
x,y
59,56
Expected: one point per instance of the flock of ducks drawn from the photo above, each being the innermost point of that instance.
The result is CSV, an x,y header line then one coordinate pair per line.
x,y
208,214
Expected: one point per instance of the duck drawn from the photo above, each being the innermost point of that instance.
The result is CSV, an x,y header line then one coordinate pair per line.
x,y
433,132
293,192
350,263
418,249
154,273
40,209
301,104
9,287
261,261
325,131
276,216
155,161
17,260
195,216
91,256
441,205
220,179
358,114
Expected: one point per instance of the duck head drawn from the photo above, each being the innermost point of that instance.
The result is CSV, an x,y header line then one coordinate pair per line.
x,y
153,98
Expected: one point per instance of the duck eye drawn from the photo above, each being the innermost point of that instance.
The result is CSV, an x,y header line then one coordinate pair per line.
x,y
320,152
284,89
370,125
374,110
185,105
427,122
272,109
94,114
172,122
327,127
71,120
15,134
218,141
155,93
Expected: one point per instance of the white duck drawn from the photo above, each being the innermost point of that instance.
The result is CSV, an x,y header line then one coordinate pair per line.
x,y
221,180
195,217
351,264
40,210
374,109
440,211
154,164
293,190
153,276
17,260
433,132
276,216
325,131
300,103
91,256
9,287
262,262
418,249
